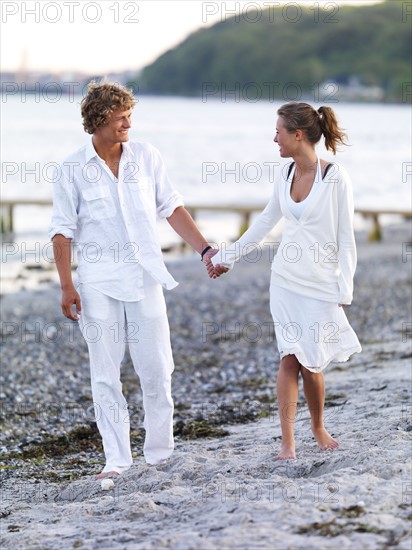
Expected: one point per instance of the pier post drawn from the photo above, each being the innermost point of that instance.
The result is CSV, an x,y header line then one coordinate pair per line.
x,y
11,221
376,231
244,226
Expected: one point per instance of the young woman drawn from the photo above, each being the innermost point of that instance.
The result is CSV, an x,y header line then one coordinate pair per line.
x,y
312,272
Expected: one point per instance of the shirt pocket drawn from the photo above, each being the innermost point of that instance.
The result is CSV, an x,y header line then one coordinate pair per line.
x,y
99,202
142,193
140,184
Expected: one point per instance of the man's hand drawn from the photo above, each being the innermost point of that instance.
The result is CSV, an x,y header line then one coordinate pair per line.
x,y
213,271
71,297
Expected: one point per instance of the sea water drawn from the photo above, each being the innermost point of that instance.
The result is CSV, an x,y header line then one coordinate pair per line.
x,y
215,152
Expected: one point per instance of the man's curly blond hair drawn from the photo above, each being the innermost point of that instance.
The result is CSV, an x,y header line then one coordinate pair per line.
x,y
101,101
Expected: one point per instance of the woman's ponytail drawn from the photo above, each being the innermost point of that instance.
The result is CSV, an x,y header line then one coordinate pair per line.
x,y
333,135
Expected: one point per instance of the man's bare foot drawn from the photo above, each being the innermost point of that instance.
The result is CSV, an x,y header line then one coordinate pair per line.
x,y
325,440
287,452
104,475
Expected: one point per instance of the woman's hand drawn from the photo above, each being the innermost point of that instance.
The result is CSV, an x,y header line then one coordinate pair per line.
x,y
220,269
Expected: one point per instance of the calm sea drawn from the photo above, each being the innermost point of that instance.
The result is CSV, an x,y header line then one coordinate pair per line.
x,y
215,152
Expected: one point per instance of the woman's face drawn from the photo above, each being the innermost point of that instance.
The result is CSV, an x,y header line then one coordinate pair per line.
x,y
286,140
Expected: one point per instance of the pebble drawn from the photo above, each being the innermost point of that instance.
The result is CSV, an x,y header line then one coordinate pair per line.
x,y
107,484
225,377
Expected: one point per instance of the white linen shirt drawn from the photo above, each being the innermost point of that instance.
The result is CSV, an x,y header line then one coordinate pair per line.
x,y
317,254
112,221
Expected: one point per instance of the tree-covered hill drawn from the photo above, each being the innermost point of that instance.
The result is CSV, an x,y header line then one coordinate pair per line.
x,y
370,45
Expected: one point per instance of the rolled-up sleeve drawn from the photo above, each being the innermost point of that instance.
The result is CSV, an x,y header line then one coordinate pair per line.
x,y
167,198
65,207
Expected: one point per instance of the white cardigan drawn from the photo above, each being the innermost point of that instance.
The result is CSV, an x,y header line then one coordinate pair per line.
x,y
317,254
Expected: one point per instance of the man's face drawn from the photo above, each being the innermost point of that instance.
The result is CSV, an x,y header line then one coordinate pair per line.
x,y
117,129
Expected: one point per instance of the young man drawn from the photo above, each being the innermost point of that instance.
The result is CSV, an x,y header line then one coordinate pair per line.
x,y
106,198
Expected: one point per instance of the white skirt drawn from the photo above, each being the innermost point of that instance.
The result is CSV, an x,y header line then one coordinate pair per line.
x,y
315,331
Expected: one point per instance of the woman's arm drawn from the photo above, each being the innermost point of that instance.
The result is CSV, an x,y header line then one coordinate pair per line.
x,y
346,238
227,256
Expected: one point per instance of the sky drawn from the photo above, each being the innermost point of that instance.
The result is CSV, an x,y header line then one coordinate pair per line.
x,y
115,35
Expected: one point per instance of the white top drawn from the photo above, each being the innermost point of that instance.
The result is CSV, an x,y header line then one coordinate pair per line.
x,y
296,208
317,254
112,221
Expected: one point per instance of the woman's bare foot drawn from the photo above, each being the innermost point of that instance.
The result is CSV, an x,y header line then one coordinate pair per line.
x,y
287,452
104,475
325,440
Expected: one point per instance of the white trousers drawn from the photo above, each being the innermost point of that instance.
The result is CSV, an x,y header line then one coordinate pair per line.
x,y
107,325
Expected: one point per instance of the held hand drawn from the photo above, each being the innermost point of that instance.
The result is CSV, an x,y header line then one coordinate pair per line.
x,y
69,298
211,269
220,269
208,262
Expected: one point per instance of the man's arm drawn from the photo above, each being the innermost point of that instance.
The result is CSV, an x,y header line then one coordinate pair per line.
x,y
62,256
182,222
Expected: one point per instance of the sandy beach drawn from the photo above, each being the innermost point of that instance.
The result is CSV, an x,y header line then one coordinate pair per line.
x,y
222,487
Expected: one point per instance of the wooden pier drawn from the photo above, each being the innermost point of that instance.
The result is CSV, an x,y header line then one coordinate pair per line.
x,y
245,213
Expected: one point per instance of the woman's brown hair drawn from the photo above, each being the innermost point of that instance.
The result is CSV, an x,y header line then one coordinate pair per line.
x,y
302,116
101,101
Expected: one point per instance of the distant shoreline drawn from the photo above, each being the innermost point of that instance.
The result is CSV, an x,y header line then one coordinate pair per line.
x,y
39,94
